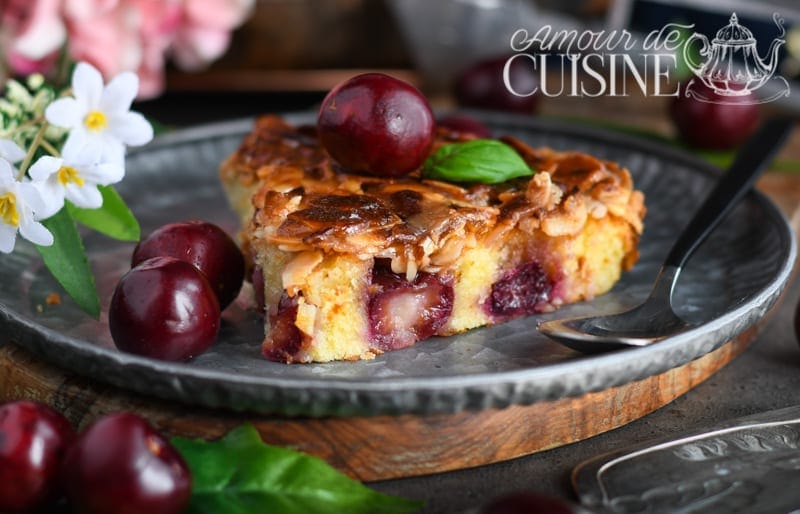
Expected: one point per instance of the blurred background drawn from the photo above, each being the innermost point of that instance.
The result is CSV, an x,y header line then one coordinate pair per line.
x,y
288,53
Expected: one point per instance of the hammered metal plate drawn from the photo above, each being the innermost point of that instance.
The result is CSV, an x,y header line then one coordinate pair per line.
x,y
731,282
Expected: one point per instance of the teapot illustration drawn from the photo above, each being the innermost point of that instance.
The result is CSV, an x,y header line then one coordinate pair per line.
x,y
733,66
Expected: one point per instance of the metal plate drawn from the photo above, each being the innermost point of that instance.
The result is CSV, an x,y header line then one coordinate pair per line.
x,y
731,282
746,465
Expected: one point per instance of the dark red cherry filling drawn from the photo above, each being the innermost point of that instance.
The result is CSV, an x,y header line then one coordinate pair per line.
x,y
286,338
402,312
524,290
258,288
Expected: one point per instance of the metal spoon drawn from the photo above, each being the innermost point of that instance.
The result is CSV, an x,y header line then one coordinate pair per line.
x,y
655,319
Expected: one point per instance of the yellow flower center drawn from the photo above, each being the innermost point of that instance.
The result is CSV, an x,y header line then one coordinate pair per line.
x,y
95,121
8,209
67,174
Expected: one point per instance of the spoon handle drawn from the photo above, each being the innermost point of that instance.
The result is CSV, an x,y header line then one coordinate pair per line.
x,y
754,156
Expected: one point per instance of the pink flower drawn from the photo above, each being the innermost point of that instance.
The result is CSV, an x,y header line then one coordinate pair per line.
x,y
204,34
160,20
119,35
107,39
77,10
127,35
31,33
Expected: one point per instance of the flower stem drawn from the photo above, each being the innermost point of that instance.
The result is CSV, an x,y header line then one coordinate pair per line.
x,y
52,150
37,141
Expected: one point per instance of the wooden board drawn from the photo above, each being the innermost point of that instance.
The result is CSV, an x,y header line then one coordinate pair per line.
x,y
378,447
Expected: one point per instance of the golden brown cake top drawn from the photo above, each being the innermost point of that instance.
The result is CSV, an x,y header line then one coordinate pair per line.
x,y
305,201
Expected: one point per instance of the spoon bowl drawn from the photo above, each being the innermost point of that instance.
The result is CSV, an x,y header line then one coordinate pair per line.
x,y
655,319
651,321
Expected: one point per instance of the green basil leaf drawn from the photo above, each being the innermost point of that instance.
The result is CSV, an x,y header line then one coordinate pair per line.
x,y
239,474
113,218
67,261
479,160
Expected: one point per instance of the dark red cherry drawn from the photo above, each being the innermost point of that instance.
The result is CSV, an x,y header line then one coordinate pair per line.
x,y
286,338
521,291
164,308
464,124
713,121
402,312
204,245
529,503
482,86
121,464
33,441
376,124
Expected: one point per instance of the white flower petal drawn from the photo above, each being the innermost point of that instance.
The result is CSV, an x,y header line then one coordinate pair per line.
x,y
10,151
131,128
34,198
72,147
77,139
113,151
35,232
104,173
87,85
7,178
51,198
82,151
8,236
45,166
65,112
86,196
120,93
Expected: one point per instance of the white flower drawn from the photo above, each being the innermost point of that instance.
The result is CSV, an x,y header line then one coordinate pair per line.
x,y
74,176
19,202
102,113
10,151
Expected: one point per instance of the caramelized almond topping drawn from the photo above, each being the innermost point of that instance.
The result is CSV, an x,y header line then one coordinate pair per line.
x,y
305,203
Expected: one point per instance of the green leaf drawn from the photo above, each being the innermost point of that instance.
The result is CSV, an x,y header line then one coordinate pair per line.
x,y
67,261
239,474
480,160
113,218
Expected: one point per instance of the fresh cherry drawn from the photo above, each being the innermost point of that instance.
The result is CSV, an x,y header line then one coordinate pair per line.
x,y
715,123
33,440
464,124
481,86
376,124
121,464
525,502
164,308
203,244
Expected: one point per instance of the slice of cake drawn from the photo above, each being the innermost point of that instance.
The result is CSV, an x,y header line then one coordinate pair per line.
x,y
348,266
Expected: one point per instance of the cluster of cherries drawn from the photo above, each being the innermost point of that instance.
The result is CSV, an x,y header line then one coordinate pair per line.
x,y
120,463
168,305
